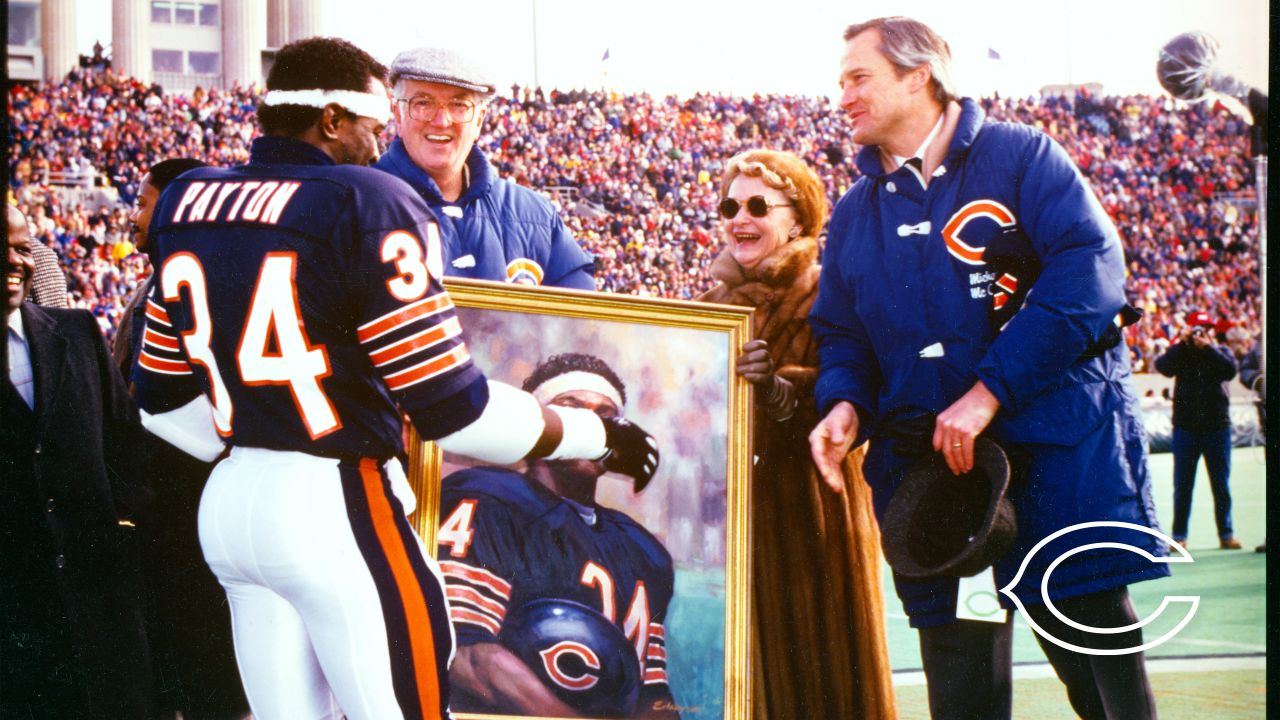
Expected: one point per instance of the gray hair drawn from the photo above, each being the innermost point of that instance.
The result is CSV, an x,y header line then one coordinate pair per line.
x,y
908,44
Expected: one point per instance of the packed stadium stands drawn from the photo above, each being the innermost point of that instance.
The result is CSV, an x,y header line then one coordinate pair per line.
x,y
636,178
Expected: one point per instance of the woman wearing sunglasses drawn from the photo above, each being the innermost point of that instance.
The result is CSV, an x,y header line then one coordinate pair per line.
x,y
818,607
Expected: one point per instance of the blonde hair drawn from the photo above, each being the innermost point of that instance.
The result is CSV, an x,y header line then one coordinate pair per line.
x,y
787,173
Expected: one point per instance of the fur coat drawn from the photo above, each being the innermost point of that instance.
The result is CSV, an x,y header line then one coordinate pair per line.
x,y
818,628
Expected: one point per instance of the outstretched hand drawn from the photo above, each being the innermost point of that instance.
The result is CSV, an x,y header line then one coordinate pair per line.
x,y
831,440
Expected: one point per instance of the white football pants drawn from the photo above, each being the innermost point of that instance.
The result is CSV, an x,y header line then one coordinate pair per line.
x,y
336,607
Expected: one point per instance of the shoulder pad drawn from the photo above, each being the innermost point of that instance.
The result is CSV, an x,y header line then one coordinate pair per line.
x,y
499,485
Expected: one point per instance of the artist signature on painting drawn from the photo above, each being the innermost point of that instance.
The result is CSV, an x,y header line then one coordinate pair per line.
x,y
668,705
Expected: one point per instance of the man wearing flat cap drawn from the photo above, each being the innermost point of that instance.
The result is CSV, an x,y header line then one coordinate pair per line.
x,y
492,229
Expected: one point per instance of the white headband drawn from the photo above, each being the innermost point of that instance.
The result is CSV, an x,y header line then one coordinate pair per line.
x,y
577,380
369,105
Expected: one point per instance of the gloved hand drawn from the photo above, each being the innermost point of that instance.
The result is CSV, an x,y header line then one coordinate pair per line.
x,y
781,401
754,363
632,451
756,366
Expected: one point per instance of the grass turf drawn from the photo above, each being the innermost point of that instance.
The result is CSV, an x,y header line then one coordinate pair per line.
x,y
1230,620
1221,695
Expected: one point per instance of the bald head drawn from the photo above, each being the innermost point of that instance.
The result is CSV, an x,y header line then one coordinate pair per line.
x,y
15,216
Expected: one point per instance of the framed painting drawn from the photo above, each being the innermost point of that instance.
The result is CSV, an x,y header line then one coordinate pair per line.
x,y
573,592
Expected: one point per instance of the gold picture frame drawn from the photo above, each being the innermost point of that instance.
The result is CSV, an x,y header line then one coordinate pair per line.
x,y
676,358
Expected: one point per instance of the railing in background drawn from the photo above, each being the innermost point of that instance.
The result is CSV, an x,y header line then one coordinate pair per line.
x,y
88,188
184,83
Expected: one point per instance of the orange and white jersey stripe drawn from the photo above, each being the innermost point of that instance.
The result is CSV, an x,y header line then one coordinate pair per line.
x,y
415,343
476,596
161,347
655,656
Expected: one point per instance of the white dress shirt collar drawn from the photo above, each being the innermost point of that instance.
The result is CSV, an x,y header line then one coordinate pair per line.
x,y
937,127
15,324
20,370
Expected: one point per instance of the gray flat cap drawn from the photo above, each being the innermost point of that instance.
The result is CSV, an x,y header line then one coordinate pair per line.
x,y
444,66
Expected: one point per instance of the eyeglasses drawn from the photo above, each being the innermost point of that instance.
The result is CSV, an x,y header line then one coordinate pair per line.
x,y
757,207
425,109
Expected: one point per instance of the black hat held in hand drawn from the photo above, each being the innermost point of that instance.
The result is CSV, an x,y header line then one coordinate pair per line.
x,y
939,524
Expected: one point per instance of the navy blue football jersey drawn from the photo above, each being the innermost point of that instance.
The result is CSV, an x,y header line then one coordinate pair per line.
x,y
303,298
505,540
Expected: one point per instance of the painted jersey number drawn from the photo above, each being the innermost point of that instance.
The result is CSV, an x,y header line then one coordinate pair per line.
x,y
636,624
456,531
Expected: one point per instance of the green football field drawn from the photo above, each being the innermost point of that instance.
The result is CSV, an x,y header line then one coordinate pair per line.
x,y
1214,667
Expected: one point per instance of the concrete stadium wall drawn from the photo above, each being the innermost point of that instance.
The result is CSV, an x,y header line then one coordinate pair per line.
x,y
1157,412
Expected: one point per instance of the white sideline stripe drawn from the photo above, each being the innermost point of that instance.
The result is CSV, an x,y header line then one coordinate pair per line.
x,y
1245,647
1021,625
1042,671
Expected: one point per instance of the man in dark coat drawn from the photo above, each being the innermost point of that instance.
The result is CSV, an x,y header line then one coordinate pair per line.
x,y
188,621
71,636
1201,423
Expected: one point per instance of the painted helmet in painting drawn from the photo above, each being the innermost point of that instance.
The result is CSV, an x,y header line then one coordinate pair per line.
x,y
580,656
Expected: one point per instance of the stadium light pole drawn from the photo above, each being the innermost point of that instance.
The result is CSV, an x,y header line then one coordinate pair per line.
x,y
1261,182
536,84
1187,68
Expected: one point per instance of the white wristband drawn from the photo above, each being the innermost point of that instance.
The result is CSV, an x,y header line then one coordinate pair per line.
x,y
400,486
189,428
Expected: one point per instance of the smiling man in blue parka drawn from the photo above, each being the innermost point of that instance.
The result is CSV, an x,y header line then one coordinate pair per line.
x,y
492,229
971,273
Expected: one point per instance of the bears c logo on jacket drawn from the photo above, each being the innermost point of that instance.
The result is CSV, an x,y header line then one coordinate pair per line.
x,y
966,252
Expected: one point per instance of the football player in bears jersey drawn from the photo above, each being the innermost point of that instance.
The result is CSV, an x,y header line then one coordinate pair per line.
x,y
509,538
297,310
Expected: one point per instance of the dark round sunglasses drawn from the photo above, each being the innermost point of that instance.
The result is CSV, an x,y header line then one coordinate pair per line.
x,y
757,207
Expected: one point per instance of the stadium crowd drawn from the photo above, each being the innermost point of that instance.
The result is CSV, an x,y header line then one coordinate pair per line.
x,y
636,179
